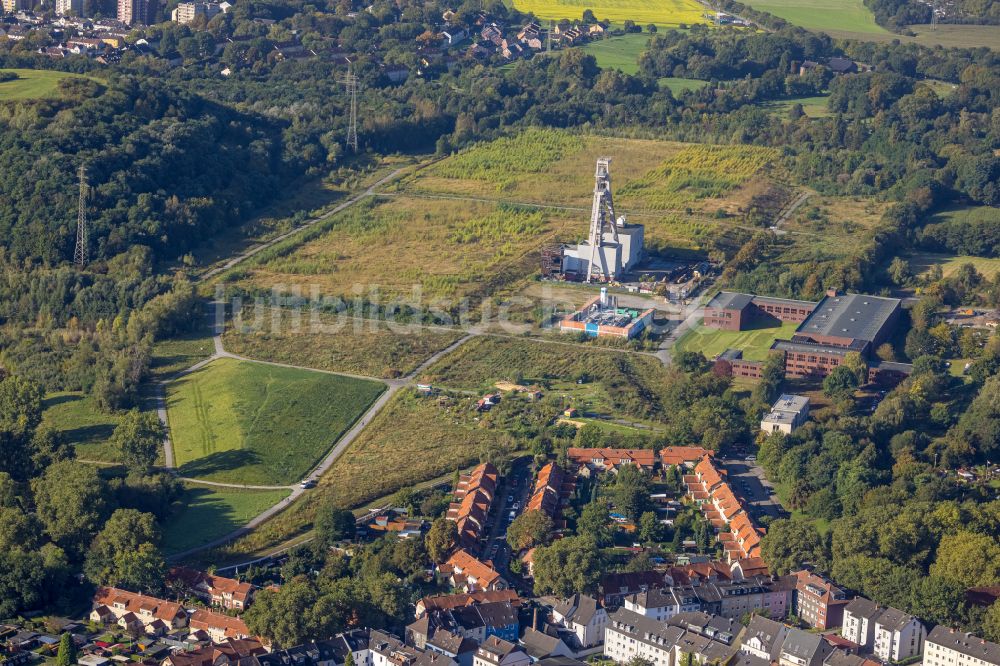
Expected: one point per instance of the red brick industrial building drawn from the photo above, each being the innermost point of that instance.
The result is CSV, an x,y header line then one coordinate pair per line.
x,y
829,330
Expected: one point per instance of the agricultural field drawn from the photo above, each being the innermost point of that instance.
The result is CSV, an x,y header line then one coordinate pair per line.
x,y
948,36
206,513
620,52
32,84
446,249
824,15
667,13
257,424
78,421
754,343
921,263
412,440
354,346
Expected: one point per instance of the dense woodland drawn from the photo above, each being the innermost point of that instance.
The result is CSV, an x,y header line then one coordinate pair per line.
x,y
177,156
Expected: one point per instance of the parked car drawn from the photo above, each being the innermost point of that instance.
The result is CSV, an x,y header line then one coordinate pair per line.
x,y
307,484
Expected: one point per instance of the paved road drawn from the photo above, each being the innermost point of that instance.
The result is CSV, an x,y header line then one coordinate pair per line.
x,y
748,481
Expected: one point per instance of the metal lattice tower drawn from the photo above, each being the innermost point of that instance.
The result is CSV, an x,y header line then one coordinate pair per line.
x,y
934,16
351,81
602,218
82,253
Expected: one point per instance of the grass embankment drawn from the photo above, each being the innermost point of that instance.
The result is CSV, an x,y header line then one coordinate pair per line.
x,y
209,513
252,423
32,84
355,346
754,343
78,421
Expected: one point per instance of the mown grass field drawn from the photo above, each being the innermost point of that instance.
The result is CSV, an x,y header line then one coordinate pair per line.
x,y
921,262
172,355
681,85
78,420
949,36
32,84
620,52
348,345
754,343
668,13
243,422
823,15
205,513
814,106
413,439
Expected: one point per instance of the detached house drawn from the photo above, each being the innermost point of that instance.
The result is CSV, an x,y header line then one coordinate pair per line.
x,y
216,590
469,574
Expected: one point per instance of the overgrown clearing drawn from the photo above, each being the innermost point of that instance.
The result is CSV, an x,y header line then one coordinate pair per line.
x,y
413,439
921,263
32,84
663,12
754,343
814,106
205,513
823,15
620,52
624,382
244,422
78,421
445,248
328,342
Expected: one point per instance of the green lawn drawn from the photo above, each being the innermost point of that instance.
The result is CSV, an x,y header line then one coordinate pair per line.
x,y
207,513
244,422
175,354
823,15
755,342
31,84
621,53
921,262
78,420
814,107
678,85
949,36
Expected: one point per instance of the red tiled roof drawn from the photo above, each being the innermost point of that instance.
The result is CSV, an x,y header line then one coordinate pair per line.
x,y
678,455
133,603
469,566
613,457
233,627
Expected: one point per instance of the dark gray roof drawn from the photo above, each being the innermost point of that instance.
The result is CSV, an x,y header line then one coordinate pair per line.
x,y
579,608
539,645
894,620
644,629
861,607
842,658
730,300
451,643
731,354
895,366
747,659
802,347
560,661
857,316
497,613
804,645
966,644
767,631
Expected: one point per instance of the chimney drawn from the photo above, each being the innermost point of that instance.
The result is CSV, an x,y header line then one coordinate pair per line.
x,y
534,618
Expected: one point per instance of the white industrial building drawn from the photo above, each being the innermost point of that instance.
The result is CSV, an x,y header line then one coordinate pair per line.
x,y
787,414
613,247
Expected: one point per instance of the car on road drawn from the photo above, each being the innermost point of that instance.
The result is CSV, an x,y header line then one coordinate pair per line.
x,y
307,484
516,506
512,516
510,498
751,458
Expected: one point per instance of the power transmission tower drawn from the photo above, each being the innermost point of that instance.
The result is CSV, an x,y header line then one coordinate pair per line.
x,y
82,252
934,16
351,81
